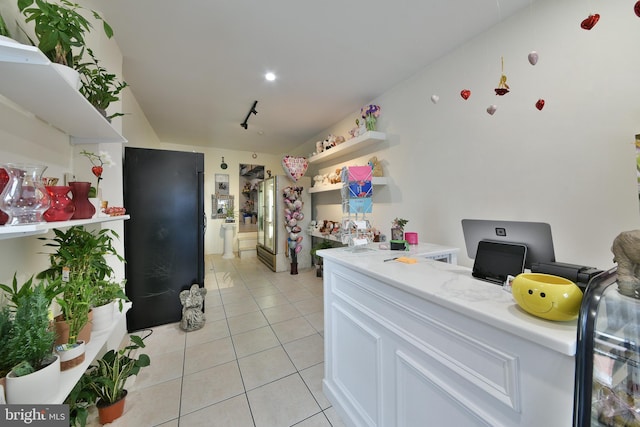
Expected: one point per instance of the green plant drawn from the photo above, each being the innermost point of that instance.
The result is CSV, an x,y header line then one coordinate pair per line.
x,y
107,378
79,400
81,253
59,27
6,329
324,244
4,31
99,87
399,222
76,304
106,291
15,292
30,343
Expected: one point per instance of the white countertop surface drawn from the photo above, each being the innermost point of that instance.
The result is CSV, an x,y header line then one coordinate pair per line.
x,y
453,287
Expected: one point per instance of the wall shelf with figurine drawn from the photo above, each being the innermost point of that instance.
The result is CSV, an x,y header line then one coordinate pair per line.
x,y
349,146
32,83
377,180
15,231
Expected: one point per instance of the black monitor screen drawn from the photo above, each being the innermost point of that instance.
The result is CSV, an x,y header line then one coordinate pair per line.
x,y
495,261
536,236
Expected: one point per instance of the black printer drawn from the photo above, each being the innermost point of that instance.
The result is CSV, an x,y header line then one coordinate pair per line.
x,y
578,274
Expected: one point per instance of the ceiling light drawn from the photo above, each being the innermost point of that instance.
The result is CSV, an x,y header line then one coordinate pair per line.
x,y
270,76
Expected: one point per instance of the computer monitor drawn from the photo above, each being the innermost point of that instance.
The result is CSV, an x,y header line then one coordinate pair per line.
x,y
535,235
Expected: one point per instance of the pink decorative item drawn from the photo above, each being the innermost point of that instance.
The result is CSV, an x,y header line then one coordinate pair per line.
x,y
411,237
4,180
492,109
295,167
24,198
533,57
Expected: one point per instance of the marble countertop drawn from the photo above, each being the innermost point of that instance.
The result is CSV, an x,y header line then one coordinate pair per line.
x,y
454,287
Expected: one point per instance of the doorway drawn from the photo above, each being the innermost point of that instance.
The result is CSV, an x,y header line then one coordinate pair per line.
x,y
250,177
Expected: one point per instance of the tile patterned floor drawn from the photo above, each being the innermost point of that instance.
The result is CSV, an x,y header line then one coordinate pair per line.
x,y
258,362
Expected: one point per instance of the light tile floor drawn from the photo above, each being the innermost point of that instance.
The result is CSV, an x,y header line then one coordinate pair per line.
x,y
258,362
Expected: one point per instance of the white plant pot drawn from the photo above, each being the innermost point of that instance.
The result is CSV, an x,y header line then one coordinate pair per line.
x,y
73,357
40,387
103,316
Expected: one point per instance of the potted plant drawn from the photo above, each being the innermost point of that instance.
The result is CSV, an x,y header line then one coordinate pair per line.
x,y
59,27
29,348
107,378
397,228
317,260
15,292
105,294
99,87
5,332
82,252
73,330
80,260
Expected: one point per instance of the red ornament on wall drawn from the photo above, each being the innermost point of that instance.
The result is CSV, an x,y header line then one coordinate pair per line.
x,y
465,94
589,22
636,8
540,104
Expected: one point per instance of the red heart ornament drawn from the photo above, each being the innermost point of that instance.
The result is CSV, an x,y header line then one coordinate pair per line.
x,y
465,94
540,104
295,167
589,22
636,8
97,171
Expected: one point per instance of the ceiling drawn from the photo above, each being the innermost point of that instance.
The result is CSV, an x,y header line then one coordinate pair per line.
x,y
196,66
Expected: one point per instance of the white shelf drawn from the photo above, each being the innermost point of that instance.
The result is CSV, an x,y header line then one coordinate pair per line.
x,y
30,80
14,231
377,180
331,237
349,146
70,377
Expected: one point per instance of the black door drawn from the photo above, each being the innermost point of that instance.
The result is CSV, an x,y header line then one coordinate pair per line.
x,y
164,239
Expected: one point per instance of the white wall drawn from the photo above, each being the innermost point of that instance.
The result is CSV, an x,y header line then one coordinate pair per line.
x,y
571,164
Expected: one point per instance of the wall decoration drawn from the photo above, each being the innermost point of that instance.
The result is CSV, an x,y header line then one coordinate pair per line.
x,y
222,184
589,22
465,94
533,57
295,167
503,87
540,104
435,99
491,109
636,8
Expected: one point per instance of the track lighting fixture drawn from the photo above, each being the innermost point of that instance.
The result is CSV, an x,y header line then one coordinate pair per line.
x,y
253,110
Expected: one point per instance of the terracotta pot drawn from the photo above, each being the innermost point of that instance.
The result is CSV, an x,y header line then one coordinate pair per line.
x,y
62,330
110,412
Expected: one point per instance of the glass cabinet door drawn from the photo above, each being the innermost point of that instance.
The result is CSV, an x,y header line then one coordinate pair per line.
x,y
269,214
261,213
615,392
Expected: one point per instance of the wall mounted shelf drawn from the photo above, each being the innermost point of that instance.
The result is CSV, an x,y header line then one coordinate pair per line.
x,y
377,180
348,146
31,81
15,231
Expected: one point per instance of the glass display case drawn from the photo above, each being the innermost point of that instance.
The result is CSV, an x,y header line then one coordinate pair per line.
x,y
607,390
267,215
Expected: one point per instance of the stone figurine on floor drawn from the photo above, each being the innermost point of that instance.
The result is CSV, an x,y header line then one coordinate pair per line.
x,y
626,253
192,308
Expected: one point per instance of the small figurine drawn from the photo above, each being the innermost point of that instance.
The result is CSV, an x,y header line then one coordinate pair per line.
x,y
192,305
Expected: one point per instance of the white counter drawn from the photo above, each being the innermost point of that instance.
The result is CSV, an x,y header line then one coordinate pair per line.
x,y
428,344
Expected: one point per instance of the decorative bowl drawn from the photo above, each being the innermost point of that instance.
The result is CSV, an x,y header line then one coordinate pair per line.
x,y
547,296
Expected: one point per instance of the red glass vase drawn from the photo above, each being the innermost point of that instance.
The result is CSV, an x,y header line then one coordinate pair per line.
x,y
80,193
4,180
62,207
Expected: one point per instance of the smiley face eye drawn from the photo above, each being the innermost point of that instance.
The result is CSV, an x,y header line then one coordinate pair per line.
x,y
542,294
530,292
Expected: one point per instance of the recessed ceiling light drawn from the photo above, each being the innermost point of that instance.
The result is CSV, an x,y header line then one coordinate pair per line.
x,y
270,77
